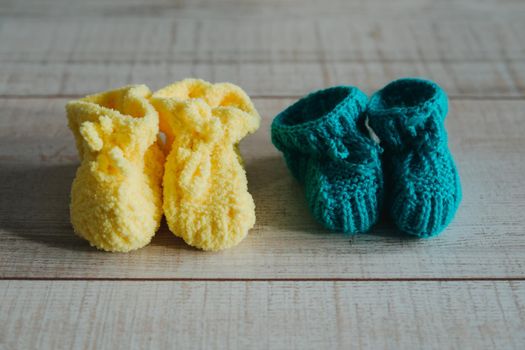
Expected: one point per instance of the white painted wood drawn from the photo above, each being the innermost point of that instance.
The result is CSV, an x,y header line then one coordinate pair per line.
x,y
460,80
125,39
274,49
262,315
284,9
287,58
260,39
486,240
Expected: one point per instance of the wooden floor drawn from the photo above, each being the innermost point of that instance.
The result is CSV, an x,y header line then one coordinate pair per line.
x,y
290,284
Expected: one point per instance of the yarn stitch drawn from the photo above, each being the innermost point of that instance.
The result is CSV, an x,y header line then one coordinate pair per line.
x,y
206,199
327,148
424,186
116,199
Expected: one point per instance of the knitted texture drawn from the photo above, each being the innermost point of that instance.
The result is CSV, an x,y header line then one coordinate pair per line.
x,y
206,199
327,148
424,188
116,199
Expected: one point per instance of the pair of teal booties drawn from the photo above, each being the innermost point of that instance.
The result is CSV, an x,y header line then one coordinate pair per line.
x,y
348,176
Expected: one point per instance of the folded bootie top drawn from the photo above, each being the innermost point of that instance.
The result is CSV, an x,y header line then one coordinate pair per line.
x,y
320,124
408,114
206,199
214,112
116,199
408,117
327,147
120,120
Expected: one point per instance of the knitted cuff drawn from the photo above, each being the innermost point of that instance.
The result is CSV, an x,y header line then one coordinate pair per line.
x,y
200,106
409,113
123,116
318,123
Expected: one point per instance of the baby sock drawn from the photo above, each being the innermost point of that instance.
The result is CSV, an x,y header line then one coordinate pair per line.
x,y
424,188
116,201
328,149
206,199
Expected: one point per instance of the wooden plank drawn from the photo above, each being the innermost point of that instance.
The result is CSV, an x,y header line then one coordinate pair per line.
x,y
288,59
168,40
274,49
262,315
455,9
460,80
486,240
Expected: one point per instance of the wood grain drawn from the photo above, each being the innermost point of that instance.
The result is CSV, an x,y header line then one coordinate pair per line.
x,y
486,239
290,284
284,9
460,80
291,58
220,40
262,315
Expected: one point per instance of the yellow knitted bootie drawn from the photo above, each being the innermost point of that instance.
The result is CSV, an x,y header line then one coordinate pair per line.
x,y
116,197
206,199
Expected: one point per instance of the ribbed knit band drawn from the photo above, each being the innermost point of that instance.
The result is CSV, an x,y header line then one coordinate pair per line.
x,y
319,123
409,113
351,206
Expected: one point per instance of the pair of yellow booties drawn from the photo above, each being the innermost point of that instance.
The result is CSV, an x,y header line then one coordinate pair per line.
x,y
129,176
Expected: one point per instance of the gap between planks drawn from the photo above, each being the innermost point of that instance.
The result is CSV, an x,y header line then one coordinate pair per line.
x,y
364,280
219,60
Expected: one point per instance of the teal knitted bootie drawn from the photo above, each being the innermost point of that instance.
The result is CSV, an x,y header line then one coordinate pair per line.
x,y
328,149
424,190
